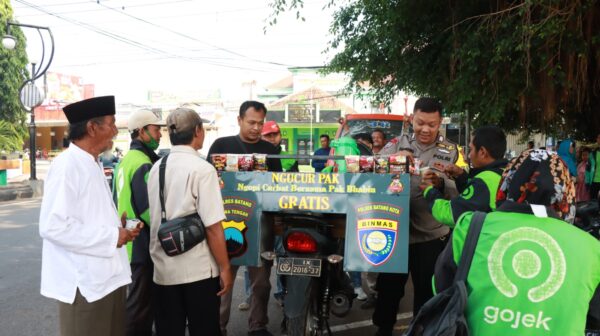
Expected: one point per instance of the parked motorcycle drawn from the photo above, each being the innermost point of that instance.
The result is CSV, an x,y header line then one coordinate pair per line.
x,y
311,261
587,217
108,174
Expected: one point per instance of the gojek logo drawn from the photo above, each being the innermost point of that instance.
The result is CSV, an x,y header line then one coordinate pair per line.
x,y
468,193
526,264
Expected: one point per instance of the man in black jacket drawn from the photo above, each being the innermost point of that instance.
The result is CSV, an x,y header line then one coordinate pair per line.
x,y
251,120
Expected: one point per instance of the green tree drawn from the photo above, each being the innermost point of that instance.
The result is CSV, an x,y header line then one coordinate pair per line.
x,y
13,72
526,64
10,138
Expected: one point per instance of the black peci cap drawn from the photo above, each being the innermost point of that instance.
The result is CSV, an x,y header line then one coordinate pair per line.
x,y
90,108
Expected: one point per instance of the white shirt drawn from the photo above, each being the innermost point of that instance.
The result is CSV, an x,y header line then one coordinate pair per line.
x,y
80,229
191,185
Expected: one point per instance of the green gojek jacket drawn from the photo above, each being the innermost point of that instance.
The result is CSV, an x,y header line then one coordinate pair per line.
x,y
288,165
132,195
478,193
590,169
529,275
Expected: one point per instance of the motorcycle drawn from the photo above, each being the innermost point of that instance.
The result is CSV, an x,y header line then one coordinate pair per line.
x,y
108,174
311,263
587,217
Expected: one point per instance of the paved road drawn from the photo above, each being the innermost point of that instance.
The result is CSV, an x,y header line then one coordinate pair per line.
x,y
23,311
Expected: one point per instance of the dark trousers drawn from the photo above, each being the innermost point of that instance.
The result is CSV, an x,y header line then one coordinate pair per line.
x,y
103,317
258,317
390,286
594,189
140,300
195,302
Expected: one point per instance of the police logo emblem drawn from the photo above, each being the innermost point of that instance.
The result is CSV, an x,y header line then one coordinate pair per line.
x,y
235,238
377,239
395,186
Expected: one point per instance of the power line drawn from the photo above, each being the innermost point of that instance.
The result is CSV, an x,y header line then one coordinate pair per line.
x,y
61,4
141,45
191,37
249,9
98,30
138,60
64,4
111,53
98,10
155,3
132,42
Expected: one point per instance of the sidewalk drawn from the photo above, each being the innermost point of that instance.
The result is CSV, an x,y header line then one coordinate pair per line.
x,y
19,187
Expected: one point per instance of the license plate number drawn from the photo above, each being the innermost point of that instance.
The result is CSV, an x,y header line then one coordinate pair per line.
x,y
299,266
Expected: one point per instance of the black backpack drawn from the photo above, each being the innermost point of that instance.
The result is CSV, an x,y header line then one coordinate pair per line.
x,y
443,314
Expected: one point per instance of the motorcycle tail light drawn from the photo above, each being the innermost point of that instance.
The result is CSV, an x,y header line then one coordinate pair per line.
x,y
300,242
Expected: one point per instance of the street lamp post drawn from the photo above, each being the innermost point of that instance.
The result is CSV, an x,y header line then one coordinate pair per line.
x,y
32,134
30,96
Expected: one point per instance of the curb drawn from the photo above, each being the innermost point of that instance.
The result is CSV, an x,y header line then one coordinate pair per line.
x,y
16,191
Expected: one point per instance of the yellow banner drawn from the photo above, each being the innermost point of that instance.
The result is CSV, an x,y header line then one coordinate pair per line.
x,y
377,224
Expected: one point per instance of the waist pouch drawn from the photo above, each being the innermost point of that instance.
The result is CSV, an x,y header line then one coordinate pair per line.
x,y
180,235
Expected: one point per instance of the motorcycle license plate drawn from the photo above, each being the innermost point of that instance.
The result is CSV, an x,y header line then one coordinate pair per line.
x,y
299,266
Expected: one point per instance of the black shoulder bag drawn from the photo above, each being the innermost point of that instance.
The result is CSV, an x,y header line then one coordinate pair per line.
x,y
177,235
443,314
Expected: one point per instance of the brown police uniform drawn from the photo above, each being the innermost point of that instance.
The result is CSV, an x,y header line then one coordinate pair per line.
x,y
423,227
427,236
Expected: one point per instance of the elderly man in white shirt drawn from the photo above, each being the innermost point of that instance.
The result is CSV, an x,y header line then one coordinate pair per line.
x,y
84,265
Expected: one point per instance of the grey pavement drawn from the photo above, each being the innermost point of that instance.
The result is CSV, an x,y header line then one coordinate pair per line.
x,y
23,311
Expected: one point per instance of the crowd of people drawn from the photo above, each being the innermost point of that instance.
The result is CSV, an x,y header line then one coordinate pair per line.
x,y
110,278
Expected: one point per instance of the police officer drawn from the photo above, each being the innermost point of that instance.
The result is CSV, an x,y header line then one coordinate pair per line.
x,y
427,236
